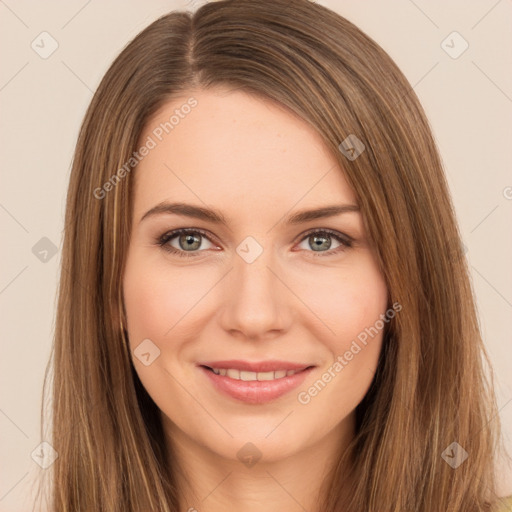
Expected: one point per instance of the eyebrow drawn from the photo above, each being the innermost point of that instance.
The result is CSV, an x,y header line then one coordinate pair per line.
x,y
211,215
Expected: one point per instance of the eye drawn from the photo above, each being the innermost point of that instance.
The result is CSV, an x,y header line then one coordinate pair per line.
x,y
321,239
188,242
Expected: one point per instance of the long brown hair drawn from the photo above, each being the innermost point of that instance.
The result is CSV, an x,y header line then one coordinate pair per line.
x,y
430,389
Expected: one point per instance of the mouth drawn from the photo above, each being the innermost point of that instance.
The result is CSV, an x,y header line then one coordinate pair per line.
x,y
251,376
255,383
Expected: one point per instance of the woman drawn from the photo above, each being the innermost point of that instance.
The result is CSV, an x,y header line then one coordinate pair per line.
x,y
213,350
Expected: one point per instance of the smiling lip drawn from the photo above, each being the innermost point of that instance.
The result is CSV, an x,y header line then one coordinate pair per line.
x,y
261,366
256,392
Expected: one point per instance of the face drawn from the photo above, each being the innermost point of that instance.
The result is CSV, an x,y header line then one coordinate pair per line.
x,y
259,289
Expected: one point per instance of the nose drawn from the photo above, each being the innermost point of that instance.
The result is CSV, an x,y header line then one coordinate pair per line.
x,y
256,304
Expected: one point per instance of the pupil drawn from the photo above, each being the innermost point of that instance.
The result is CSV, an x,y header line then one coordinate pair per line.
x,y
189,241
318,240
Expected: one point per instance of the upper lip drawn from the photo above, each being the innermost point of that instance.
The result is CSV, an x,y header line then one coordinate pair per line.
x,y
257,366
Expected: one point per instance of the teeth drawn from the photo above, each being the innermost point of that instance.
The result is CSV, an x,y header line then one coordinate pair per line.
x,y
265,376
233,374
252,376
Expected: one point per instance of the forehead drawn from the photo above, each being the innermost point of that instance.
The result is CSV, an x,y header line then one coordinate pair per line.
x,y
231,145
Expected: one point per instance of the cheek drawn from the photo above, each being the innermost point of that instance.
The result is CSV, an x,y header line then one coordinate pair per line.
x,y
154,302
347,300
157,297
351,304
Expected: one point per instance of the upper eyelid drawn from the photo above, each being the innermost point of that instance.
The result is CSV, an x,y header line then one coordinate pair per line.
x,y
175,232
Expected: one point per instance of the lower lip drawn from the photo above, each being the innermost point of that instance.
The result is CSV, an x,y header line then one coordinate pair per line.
x,y
256,392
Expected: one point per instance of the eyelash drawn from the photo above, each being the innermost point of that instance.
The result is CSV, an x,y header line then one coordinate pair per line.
x,y
345,241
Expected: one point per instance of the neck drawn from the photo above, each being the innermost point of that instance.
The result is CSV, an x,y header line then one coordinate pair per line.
x,y
211,482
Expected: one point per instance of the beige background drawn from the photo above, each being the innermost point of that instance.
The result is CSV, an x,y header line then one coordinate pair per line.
x,y
468,101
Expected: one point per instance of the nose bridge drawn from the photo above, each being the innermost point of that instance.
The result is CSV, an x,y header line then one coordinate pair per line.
x,y
253,274
255,281
256,302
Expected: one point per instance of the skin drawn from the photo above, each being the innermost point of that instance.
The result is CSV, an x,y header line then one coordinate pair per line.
x,y
256,163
